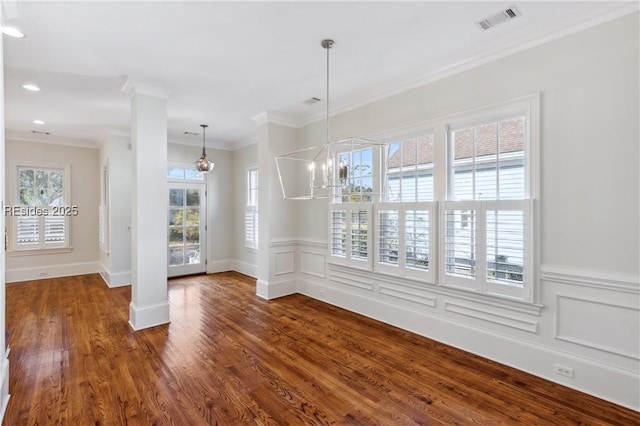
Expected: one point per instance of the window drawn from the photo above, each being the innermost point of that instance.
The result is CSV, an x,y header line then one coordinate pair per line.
x,y
356,168
410,170
251,210
487,227
350,213
405,222
458,207
182,172
40,212
349,234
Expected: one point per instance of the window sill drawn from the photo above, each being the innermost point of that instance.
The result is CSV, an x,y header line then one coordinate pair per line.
x,y
38,252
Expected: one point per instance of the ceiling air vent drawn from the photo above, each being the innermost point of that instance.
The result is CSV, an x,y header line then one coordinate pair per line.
x,y
500,17
191,133
311,101
40,133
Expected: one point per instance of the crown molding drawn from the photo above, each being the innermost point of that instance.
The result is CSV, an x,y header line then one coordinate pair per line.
x,y
517,46
134,87
77,143
274,118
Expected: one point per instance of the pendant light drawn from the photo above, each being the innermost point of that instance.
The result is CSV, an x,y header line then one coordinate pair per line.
x,y
204,165
334,169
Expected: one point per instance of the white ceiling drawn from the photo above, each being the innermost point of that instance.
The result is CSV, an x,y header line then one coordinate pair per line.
x,y
227,62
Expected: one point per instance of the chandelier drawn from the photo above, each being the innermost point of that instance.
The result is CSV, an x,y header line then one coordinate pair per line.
x,y
348,168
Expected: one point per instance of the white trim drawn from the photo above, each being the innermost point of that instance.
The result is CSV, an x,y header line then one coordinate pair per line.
x,y
268,291
13,136
113,280
626,283
585,343
274,118
469,64
4,383
120,279
52,271
38,252
141,317
245,268
134,87
514,305
317,244
493,317
219,266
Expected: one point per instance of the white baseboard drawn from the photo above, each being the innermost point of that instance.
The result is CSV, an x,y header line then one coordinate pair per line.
x,y
52,271
270,291
141,317
245,268
4,385
219,266
115,279
607,382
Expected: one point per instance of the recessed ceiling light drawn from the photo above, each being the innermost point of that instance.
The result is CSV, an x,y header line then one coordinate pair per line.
x,y
31,87
40,122
12,32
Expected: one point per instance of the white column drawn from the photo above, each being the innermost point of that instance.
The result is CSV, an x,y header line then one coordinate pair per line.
x,y
277,219
149,305
4,360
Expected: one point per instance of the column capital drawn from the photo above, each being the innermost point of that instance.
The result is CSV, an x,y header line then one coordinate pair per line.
x,y
134,87
273,118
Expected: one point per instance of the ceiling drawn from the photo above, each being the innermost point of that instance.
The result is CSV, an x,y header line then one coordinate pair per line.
x,y
227,62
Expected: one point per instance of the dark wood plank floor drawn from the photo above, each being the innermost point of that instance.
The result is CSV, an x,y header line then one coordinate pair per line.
x,y
230,358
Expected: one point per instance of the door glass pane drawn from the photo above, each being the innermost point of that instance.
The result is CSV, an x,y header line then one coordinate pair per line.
x,y
193,217
193,235
176,237
176,197
192,255
176,256
193,197
176,217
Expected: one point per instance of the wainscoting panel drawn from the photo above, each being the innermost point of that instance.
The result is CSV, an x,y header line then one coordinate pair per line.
x,y
284,262
351,280
407,293
609,327
312,263
491,315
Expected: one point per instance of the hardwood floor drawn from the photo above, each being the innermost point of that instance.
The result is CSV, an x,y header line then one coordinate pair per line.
x,y
229,358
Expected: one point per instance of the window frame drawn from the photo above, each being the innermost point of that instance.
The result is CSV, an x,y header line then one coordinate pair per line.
x,y
42,247
401,269
527,106
251,212
348,259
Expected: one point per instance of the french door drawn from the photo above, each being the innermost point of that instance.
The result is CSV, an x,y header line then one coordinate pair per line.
x,y
186,249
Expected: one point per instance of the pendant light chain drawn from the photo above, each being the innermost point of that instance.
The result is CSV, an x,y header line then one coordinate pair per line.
x,y
328,46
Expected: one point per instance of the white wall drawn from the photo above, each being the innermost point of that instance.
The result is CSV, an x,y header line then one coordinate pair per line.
x,y
85,190
220,234
245,259
115,154
589,317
